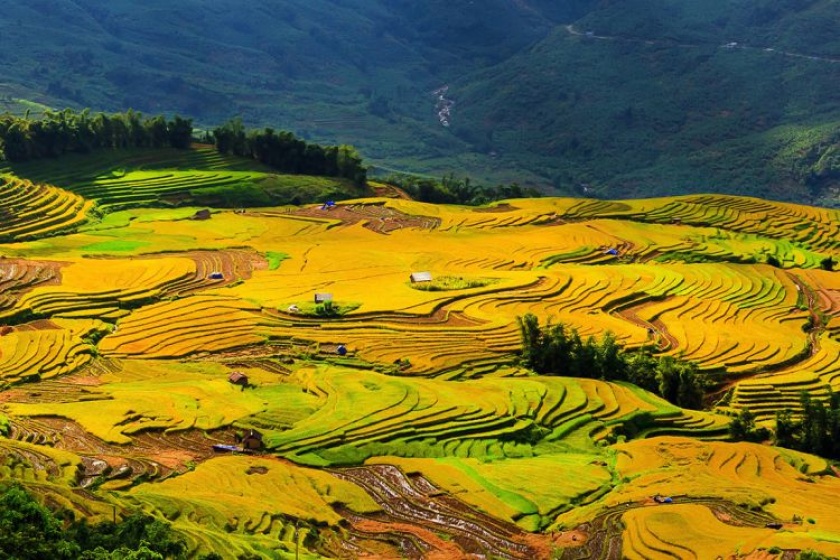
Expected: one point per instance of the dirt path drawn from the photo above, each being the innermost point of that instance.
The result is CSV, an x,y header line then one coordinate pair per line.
x,y
657,330
389,191
817,326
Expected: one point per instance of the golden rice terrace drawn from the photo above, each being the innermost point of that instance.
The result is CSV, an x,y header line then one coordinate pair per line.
x,y
393,418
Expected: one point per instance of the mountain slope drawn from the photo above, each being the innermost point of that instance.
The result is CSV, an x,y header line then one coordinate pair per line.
x,y
638,97
643,117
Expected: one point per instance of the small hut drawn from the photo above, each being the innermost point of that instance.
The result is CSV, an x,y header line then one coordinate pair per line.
x,y
420,277
238,378
252,441
202,215
323,298
215,275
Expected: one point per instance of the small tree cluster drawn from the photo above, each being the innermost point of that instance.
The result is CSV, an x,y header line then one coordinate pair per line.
x,y
58,133
287,153
743,428
559,350
28,530
816,431
454,190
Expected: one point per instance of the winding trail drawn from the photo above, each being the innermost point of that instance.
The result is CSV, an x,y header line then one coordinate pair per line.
x,y
664,340
729,46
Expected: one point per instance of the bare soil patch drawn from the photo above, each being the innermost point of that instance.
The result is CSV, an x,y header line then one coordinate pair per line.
x,y
376,217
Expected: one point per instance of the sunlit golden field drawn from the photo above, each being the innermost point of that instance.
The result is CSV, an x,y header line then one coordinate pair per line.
x,y
428,438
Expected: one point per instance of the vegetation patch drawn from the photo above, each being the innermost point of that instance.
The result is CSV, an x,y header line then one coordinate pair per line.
x,y
114,246
326,309
448,283
274,259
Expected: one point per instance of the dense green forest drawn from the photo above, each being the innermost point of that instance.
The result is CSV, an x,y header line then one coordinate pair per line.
x,y
636,98
63,132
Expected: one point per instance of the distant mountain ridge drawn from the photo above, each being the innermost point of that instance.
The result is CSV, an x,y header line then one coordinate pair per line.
x,y
630,98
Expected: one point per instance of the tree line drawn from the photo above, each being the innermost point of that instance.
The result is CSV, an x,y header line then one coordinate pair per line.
x,y
287,153
454,190
63,132
560,350
816,430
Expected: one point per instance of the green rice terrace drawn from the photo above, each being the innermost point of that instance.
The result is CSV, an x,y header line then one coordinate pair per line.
x,y
182,335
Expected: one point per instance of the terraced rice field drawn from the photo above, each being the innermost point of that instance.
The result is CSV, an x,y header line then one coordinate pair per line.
x,y
120,328
132,178
29,210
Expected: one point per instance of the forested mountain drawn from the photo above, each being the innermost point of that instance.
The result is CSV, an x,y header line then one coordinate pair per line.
x,y
614,98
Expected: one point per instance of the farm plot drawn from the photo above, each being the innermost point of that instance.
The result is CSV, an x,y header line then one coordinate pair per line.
x,y
775,482
51,474
29,210
690,531
526,491
18,276
250,503
764,396
42,350
812,227
212,269
741,319
131,178
191,325
365,414
152,397
101,287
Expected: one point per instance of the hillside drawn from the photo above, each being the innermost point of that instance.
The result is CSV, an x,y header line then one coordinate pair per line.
x,y
637,98
398,419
